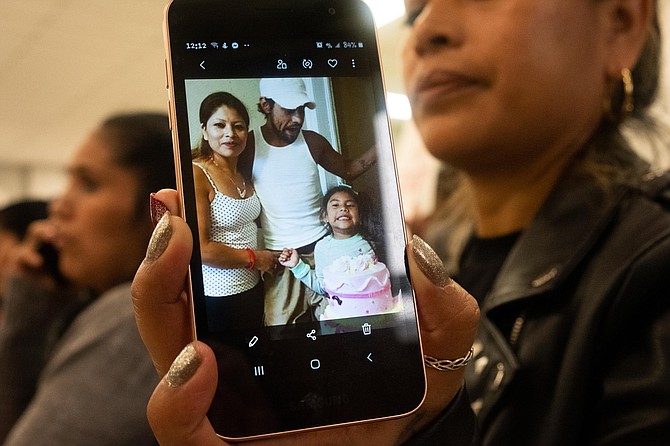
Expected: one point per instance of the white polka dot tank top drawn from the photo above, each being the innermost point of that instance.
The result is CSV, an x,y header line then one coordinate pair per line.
x,y
233,224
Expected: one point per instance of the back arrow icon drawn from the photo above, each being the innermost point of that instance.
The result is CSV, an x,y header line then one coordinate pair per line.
x,y
202,64
370,357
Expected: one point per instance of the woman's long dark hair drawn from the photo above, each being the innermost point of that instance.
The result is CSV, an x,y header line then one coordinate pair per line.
x,y
142,143
208,107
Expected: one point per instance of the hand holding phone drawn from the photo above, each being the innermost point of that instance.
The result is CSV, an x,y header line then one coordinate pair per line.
x,y
178,414
282,141
37,256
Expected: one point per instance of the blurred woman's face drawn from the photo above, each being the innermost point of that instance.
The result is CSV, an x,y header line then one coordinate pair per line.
x,y
498,82
100,238
226,132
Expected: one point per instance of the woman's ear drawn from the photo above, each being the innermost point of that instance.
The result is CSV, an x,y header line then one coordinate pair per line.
x,y
628,24
204,133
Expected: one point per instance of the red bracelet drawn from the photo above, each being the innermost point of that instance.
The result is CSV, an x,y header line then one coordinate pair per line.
x,y
252,258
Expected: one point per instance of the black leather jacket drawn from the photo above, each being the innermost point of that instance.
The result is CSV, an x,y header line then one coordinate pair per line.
x,y
574,344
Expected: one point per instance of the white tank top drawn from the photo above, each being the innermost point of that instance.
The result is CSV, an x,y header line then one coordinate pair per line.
x,y
286,180
232,222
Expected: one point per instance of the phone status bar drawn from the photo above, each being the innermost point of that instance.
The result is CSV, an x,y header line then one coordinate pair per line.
x,y
216,45
235,45
336,45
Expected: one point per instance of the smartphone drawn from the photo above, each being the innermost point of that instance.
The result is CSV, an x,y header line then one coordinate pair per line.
x,y
285,167
50,257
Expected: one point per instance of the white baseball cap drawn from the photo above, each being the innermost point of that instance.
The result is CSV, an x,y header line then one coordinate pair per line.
x,y
289,93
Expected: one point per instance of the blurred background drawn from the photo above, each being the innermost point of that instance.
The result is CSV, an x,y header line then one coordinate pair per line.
x,y
66,64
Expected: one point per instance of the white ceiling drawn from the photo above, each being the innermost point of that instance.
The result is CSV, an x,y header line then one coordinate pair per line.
x,y
66,64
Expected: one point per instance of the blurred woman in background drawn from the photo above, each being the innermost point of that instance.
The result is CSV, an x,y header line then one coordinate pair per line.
x,y
73,370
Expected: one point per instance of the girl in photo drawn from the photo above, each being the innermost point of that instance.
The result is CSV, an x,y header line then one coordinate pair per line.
x,y
346,265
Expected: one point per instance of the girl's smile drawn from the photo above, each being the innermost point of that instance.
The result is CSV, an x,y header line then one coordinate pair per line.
x,y
342,215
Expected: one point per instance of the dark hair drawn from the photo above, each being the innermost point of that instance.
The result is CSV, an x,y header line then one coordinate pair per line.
x,y
208,107
142,142
271,104
608,157
646,72
16,217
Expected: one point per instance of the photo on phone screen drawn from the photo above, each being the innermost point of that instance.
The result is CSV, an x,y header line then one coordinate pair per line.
x,y
285,160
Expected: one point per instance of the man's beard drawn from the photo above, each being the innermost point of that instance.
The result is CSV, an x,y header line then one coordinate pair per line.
x,y
290,134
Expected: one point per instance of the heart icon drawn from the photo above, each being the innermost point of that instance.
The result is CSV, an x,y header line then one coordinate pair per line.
x,y
332,63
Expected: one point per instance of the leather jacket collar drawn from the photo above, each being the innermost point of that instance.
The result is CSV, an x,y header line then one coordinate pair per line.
x,y
543,257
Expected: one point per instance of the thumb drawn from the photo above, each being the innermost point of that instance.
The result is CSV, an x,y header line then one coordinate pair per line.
x,y
177,410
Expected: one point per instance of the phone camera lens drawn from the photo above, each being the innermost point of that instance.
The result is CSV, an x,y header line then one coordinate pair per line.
x,y
331,11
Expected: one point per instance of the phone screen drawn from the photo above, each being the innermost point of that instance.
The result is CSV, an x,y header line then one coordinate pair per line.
x,y
285,165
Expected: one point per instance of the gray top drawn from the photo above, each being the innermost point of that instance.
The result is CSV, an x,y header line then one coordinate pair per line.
x,y
88,386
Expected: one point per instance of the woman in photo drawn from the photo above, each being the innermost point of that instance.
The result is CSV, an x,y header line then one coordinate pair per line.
x,y
227,208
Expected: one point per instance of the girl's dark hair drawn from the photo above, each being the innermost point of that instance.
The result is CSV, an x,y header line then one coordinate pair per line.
x,y
142,142
208,107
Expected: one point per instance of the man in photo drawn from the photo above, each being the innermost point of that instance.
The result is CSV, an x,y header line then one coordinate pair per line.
x,y
283,159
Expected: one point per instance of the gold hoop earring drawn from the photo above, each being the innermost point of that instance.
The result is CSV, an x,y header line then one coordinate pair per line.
x,y
622,97
628,104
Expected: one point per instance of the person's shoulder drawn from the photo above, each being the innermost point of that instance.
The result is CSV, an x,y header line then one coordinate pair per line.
x,y
641,232
656,188
324,242
97,332
314,138
638,251
198,169
110,312
650,203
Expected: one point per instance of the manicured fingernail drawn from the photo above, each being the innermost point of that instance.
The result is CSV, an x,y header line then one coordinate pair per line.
x,y
184,366
157,208
160,238
429,262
